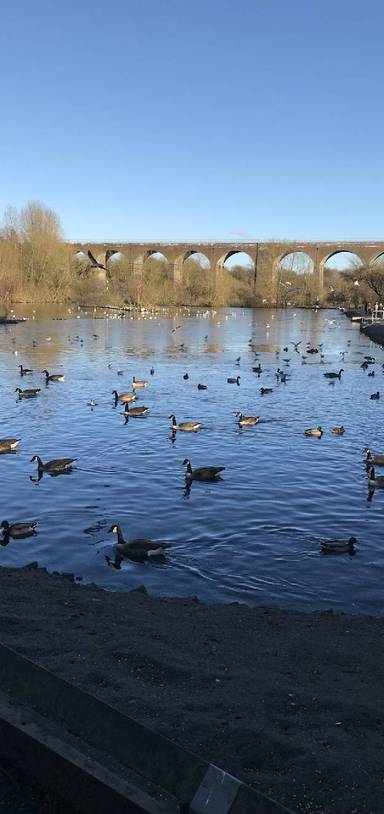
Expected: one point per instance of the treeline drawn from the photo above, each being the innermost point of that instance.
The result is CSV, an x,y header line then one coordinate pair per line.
x,y
37,265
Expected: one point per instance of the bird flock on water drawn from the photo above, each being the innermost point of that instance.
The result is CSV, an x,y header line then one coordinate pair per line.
x,y
143,549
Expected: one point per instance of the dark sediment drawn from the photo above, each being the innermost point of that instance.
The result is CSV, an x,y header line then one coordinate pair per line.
x,y
290,702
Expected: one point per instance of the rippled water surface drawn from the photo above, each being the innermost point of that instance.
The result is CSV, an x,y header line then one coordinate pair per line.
x,y
252,537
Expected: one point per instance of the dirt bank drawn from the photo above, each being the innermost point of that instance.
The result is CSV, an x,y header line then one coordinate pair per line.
x,y
290,702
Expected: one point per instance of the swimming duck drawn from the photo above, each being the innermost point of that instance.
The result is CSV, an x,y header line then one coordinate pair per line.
x,y
265,390
202,387
8,444
27,394
338,430
338,546
315,432
375,480
247,420
152,371
372,373
375,396
56,465
185,376
234,380
333,375
185,426
53,377
18,530
25,371
204,473
373,459
138,382
125,398
92,403
140,549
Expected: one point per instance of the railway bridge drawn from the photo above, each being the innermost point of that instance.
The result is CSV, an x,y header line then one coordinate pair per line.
x,y
265,256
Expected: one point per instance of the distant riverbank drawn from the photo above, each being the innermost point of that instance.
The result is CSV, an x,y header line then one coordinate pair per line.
x,y
290,702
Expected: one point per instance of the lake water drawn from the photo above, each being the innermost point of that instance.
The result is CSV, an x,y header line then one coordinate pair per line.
x,y
252,537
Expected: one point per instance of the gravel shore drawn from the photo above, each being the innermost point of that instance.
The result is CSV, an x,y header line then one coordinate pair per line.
x,y
290,702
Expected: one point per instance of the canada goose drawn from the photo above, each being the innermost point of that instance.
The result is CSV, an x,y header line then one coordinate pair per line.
x,y
364,365
202,387
185,426
265,390
373,459
25,371
333,375
206,473
56,465
257,369
138,383
8,444
375,480
185,376
338,430
247,420
234,380
375,396
94,262
27,394
18,530
338,546
135,412
53,377
125,398
140,549
315,432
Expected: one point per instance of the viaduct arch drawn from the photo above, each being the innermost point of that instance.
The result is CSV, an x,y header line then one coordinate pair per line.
x,y
266,257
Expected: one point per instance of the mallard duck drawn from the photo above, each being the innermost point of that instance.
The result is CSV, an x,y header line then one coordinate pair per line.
x,y
125,398
138,382
338,546
56,465
25,371
140,549
202,387
207,473
247,420
8,444
338,430
373,459
18,530
27,394
332,375
315,432
185,426
53,377
234,380
375,396
375,480
265,390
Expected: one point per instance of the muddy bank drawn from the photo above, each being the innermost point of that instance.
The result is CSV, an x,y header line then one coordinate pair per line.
x,y
290,702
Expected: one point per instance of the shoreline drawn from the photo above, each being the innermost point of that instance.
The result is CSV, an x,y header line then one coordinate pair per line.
x,y
289,701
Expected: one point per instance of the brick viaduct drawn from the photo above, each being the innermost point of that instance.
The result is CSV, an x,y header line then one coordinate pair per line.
x,y
265,256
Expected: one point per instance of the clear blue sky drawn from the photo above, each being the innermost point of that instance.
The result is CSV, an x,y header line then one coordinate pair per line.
x,y
195,119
